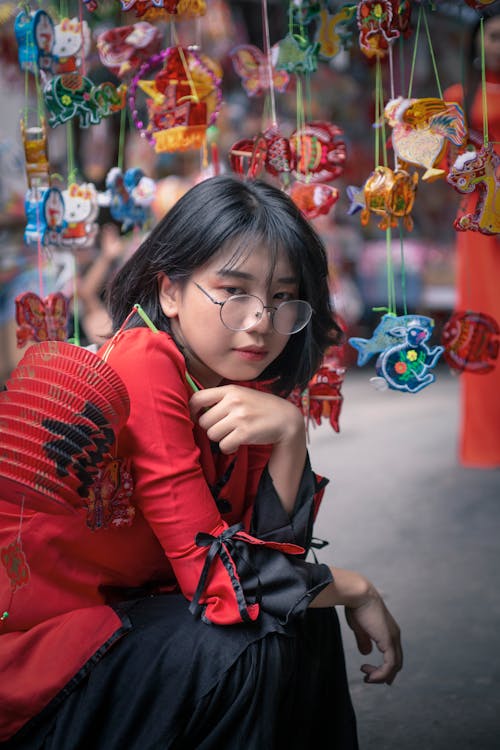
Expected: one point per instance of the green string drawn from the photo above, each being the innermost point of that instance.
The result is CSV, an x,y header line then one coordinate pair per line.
x,y
121,140
377,114
145,318
391,288
71,152
483,87
403,270
415,47
431,50
191,382
76,317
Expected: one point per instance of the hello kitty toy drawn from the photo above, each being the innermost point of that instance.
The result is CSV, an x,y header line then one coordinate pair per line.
x,y
80,212
71,44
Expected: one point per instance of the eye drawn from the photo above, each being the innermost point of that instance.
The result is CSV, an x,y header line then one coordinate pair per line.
x,y
233,291
283,296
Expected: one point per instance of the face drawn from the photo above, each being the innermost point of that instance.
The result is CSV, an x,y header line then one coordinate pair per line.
x,y
492,44
213,352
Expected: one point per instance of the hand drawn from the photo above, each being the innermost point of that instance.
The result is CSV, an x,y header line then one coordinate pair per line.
x,y
372,621
234,415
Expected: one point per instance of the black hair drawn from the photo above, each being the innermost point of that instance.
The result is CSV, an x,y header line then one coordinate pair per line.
x,y
212,214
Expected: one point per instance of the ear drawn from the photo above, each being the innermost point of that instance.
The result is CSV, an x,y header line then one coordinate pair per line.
x,y
168,293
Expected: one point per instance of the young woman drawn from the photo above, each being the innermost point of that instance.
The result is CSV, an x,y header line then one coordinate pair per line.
x,y
211,629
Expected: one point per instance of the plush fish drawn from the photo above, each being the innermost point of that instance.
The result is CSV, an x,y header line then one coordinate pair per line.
x,y
383,336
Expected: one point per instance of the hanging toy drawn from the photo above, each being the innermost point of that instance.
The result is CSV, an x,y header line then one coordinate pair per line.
x,y
314,198
183,99
35,152
479,4
324,395
71,45
387,193
319,154
478,170
35,38
378,27
129,196
81,210
72,95
383,338
257,76
297,55
44,208
420,129
405,366
330,39
165,9
470,341
124,49
41,319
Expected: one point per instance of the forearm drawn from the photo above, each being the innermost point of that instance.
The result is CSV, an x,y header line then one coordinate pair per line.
x,y
286,466
348,588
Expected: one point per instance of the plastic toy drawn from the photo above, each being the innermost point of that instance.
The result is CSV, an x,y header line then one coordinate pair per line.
x,y
478,170
383,337
41,319
129,196
35,151
81,209
313,198
183,99
405,366
470,341
420,129
123,50
44,209
387,193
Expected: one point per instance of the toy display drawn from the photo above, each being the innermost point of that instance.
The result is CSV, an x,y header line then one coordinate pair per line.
x,y
478,170
471,342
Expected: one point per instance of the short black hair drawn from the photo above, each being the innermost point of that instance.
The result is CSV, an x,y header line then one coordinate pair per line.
x,y
212,214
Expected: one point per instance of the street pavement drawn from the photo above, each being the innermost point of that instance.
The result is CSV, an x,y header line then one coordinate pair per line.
x,y
425,530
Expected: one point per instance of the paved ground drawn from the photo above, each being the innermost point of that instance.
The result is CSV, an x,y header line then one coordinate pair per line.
x,y
426,531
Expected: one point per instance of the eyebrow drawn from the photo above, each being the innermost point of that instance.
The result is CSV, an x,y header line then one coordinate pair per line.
x,y
228,272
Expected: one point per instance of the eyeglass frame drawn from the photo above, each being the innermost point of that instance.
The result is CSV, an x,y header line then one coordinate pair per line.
x,y
264,308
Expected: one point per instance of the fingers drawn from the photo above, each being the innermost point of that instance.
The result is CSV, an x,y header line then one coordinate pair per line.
x,y
385,672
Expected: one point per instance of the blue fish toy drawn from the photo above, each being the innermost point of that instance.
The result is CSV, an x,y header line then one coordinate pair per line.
x,y
383,336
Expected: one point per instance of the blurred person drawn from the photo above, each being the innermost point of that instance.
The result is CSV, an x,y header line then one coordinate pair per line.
x,y
478,255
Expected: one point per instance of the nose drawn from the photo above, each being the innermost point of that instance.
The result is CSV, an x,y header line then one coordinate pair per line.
x,y
263,320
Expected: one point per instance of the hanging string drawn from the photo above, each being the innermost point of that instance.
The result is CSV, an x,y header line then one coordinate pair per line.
x,y
121,137
391,286
483,86
431,50
76,315
269,69
377,115
391,73
84,64
415,47
70,147
403,270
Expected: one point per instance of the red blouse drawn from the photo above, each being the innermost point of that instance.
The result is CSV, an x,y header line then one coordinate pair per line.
x,y
195,508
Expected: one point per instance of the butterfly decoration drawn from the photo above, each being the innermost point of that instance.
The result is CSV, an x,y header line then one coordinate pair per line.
x,y
108,500
406,364
421,129
122,50
41,319
478,170
471,342
183,98
387,193
257,73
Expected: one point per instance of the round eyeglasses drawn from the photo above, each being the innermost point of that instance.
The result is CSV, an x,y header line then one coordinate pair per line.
x,y
242,311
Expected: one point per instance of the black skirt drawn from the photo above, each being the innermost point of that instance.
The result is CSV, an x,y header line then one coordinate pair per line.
x,y
173,682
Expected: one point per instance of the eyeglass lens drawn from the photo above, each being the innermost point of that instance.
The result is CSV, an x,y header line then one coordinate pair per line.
x,y
244,311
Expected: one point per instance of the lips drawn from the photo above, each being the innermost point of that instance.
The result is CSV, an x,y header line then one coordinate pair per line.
x,y
252,353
